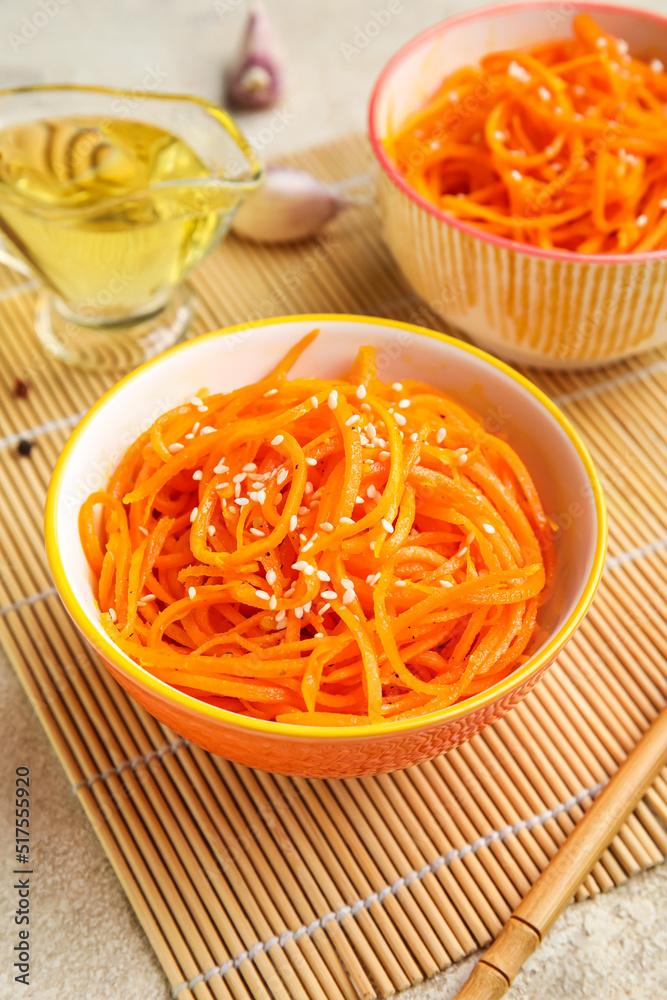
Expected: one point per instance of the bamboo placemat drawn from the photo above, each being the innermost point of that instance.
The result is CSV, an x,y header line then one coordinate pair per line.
x,y
255,886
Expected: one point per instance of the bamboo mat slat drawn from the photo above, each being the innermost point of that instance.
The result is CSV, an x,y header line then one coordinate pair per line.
x,y
253,886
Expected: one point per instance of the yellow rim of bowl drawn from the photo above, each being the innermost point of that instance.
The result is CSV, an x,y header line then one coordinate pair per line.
x,y
280,729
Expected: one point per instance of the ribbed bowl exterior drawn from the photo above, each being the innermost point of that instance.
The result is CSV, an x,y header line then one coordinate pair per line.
x,y
528,309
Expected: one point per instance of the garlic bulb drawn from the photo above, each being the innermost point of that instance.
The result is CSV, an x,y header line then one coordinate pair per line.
x,y
257,78
290,205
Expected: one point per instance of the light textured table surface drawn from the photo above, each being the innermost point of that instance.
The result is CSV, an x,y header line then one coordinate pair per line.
x,y
87,943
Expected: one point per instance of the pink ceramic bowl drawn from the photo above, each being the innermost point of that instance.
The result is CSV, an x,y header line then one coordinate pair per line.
x,y
546,308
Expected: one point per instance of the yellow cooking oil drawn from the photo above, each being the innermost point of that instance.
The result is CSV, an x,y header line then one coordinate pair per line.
x,y
109,213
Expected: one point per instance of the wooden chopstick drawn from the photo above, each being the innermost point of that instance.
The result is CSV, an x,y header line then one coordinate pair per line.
x,y
540,908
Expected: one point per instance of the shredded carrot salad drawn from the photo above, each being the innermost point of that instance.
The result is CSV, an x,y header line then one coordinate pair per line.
x,y
563,146
325,552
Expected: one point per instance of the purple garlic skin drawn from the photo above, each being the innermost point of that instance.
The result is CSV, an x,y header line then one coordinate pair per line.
x,y
257,78
290,205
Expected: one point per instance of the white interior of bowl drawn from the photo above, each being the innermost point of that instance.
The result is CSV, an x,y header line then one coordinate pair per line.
x,y
419,70
221,362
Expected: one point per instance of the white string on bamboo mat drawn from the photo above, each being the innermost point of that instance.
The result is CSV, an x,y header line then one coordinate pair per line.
x,y
390,890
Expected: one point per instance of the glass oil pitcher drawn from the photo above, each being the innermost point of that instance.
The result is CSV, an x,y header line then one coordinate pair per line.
x,y
109,198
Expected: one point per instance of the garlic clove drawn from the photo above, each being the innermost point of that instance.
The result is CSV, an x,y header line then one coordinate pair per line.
x,y
290,205
257,78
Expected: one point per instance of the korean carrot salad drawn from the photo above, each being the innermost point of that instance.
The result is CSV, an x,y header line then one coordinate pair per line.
x,y
325,552
561,146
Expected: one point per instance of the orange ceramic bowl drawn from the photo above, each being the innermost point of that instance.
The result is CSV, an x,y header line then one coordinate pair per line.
x,y
510,406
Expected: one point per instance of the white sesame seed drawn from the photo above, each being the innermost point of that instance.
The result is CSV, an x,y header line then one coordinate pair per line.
x,y
308,489
239,478
280,615
196,401
262,594
302,510
346,520
282,476
325,607
195,427
299,565
193,514
622,45
241,501
271,576
462,459
220,468
325,526
188,437
197,475
355,418
398,386
237,490
330,595
144,531
207,430
404,403
446,583
307,606
414,437
192,593
147,598
347,584
211,530
293,522
371,492
544,93
656,66
314,401
518,72
365,407
323,576
271,392
401,583
515,175
488,528
348,596
319,635
641,220
463,551
370,579
499,135
307,547
384,455
663,203
281,625
202,409
273,602
387,525
278,439
601,42
176,446
112,615
400,419
311,461
370,430
302,537
359,500
361,392
257,532
558,110
298,612
332,401
250,467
